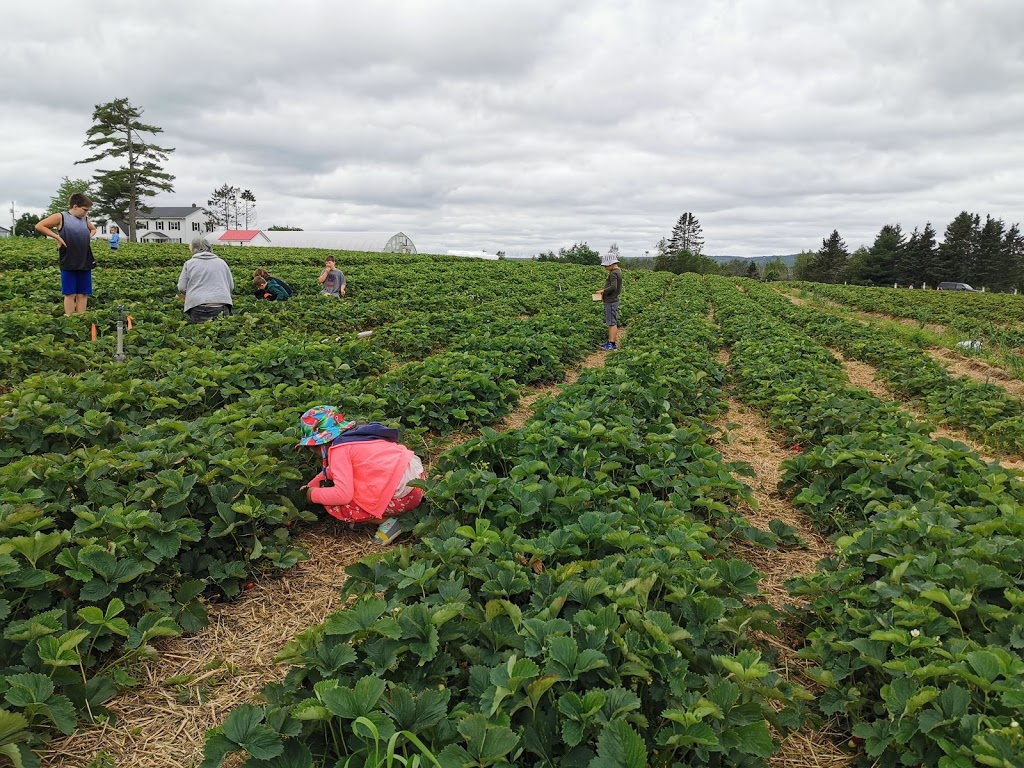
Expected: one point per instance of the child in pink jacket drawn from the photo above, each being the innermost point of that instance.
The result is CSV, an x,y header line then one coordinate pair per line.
x,y
369,474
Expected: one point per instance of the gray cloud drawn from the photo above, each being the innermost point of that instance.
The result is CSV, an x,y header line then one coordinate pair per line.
x,y
534,124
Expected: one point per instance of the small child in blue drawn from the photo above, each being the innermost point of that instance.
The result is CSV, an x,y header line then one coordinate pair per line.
x,y
115,238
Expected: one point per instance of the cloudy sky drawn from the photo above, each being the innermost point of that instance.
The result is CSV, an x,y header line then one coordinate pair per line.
x,y
524,125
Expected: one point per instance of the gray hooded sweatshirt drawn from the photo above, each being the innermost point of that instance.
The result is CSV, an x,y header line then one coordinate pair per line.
x,y
205,279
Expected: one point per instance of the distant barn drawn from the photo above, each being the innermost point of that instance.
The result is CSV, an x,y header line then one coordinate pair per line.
x,y
373,242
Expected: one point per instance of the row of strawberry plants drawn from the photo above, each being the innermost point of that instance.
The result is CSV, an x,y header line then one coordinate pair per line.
x,y
568,605
983,410
110,542
915,627
412,318
990,316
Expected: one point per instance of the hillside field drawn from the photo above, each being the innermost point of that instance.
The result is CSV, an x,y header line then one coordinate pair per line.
x,y
779,527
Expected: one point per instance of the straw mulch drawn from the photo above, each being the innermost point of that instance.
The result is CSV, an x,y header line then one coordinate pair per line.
x,y
864,375
746,437
222,666
978,370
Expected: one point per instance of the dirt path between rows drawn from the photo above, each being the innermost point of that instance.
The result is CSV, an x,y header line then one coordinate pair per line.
x,y
749,439
979,370
866,376
163,725
956,363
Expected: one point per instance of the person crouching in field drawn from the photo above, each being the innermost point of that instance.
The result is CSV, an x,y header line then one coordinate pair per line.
x,y
610,296
205,284
75,251
275,285
269,290
366,469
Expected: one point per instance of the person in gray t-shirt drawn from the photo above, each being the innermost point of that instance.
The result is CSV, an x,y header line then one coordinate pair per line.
x,y
332,280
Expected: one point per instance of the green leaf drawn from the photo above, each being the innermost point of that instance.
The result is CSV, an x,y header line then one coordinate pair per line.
x,y
13,727
61,712
485,742
150,627
755,739
243,727
28,688
986,664
295,755
350,703
619,746
356,618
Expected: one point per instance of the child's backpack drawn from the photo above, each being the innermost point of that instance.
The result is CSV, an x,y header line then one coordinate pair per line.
x,y
287,288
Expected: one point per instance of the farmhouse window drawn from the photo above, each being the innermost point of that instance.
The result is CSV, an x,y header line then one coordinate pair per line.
x,y
143,225
196,226
174,225
160,225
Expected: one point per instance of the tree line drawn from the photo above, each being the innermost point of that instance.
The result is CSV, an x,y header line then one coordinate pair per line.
x,y
989,254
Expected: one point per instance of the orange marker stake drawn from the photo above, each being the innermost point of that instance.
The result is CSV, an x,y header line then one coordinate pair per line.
x,y
129,319
94,331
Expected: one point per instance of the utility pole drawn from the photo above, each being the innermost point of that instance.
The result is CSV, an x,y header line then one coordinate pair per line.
x,y
14,222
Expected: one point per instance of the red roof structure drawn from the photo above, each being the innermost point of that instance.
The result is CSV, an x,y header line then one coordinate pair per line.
x,y
241,235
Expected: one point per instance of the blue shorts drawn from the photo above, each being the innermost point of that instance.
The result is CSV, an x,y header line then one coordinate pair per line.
x,y
73,282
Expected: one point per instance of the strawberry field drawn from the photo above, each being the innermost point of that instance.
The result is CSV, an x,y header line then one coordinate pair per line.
x,y
576,592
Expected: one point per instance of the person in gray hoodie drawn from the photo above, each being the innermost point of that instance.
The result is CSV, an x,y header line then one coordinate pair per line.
x,y
205,284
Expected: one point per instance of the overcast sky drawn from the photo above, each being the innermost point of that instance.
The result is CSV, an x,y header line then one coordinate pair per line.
x,y
527,125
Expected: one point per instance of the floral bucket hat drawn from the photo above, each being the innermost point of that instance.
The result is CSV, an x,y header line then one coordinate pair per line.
x,y
322,425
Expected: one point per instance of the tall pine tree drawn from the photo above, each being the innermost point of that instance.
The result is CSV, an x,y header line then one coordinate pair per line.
x,y
956,259
881,264
1013,255
687,235
118,135
829,264
991,269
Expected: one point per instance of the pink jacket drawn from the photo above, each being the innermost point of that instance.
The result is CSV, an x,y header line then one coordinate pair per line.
x,y
365,472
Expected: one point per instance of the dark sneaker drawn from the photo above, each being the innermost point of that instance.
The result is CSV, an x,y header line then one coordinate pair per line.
x,y
612,346
606,345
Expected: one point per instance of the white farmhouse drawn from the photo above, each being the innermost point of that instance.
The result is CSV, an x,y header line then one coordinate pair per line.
x,y
166,224
5,232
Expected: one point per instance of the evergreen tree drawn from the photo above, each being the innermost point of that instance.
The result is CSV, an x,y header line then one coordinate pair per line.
x,y
829,264
111,200
117,133
884,256
752,271
956,259
687,235
922,257
992,267
1013,255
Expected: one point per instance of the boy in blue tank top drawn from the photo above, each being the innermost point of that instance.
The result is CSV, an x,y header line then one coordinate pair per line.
x,y
73,237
